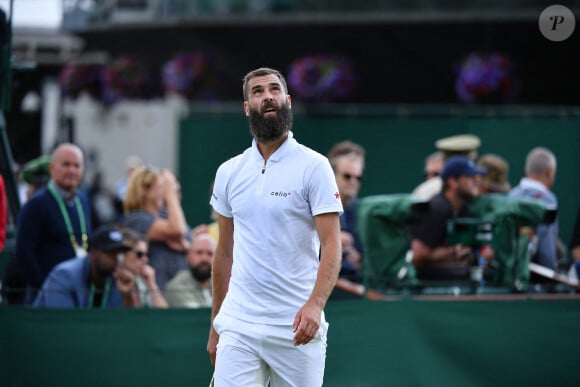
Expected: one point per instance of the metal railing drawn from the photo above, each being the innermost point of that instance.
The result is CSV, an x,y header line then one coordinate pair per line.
x,y
80,14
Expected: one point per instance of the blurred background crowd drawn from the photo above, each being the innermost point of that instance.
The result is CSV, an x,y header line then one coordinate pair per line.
x,y
124,109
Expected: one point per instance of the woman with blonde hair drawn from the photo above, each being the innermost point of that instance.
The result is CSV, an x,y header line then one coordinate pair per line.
x,y
152,207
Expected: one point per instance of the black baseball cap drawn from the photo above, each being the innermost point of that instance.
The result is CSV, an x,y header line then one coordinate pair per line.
x,y
108,238
460,166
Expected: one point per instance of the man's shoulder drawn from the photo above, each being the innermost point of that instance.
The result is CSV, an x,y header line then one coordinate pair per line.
x,y
232,163
71,264
533,192
440,206
304,151
439,201
70,270
40,197
39,205
180,279
427,189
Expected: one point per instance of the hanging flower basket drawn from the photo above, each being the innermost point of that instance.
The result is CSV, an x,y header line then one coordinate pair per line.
x,y
124,78
193,75
324,78
487,79
76,78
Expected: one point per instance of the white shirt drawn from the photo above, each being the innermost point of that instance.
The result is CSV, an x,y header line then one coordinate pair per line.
x,y
276,246
429,188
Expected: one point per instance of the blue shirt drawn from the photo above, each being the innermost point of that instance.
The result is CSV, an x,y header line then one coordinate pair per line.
x,y
547,233
68,286
348,223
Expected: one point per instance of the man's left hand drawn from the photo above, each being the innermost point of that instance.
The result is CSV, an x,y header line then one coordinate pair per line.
x,y
306,323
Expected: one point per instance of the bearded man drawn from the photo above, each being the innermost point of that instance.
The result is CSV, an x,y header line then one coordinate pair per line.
x,y
192,288
460,185
278,253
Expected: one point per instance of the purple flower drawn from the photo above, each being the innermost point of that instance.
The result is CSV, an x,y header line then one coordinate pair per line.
x,y
193,75
487,78
322,78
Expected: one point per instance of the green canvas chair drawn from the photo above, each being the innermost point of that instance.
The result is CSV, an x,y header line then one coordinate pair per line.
x,y
382,220
513,222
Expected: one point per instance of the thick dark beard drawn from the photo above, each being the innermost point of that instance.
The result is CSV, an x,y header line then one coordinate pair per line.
x,y
103,272
267,129
201,273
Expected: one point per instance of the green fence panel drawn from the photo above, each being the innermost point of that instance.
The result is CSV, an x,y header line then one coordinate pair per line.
x,y
399,343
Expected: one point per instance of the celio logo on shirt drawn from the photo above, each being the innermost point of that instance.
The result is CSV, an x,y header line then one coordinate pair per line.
x,y
280,194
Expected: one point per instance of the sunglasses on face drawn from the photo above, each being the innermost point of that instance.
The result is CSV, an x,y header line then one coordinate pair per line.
x,y
348,176
140,254
431,174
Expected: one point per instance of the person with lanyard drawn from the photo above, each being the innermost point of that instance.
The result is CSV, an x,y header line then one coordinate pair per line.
x,y
54,224
96,280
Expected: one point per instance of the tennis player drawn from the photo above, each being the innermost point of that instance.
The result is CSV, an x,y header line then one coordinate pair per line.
x,y
278,254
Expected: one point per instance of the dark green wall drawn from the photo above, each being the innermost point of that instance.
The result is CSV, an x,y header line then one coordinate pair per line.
x,y
379,344
396,146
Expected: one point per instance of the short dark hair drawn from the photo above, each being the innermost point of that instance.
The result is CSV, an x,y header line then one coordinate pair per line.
x,y
344,148
259,73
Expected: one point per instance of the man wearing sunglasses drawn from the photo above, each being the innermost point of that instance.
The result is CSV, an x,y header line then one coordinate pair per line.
x,y
348,161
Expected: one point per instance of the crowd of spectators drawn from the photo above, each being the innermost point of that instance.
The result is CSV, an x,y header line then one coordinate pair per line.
x,y
67,256
455,178
59,261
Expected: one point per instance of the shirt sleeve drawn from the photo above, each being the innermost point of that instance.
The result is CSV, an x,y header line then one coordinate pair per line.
x,y
322,189
219,196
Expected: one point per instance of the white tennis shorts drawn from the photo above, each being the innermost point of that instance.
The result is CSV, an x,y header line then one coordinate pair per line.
x,y
251,355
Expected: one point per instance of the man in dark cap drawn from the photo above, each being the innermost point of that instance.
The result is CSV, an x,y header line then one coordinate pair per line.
x,y
460,185
93,281
459,145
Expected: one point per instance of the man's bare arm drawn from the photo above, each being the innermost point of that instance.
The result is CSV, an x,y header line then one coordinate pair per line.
x,y
221,273
423,254
307,319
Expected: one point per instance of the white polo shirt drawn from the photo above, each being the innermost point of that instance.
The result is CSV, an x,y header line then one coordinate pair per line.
x,y
276,245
